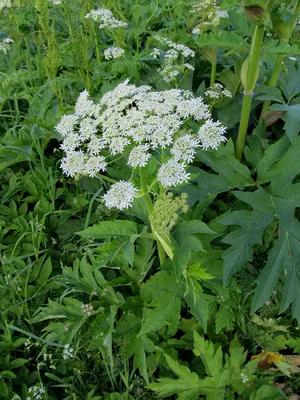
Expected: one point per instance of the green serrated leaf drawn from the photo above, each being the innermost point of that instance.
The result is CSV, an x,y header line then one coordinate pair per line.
x,y
110,228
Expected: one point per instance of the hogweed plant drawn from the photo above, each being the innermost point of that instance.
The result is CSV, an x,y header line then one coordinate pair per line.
x,y
141,126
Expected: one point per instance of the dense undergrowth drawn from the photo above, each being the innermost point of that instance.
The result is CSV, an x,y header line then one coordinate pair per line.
x,y
149,216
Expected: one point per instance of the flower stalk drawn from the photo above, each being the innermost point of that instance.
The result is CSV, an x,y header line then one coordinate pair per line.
x,y
249,78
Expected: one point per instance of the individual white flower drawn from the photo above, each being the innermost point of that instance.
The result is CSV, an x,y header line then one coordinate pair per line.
x,y
73,164
96,145
196,31
70,143
171,55
87,128
5,45
106,19
68,352
184,148
155,53
244,377
113,52
194,107
120,195
211,134
56,2
66,125
118,144
84,106
217,92
95,164
139,156
5,3
172,173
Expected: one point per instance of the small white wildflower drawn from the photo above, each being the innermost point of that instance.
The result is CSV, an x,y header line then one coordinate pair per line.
x,y
68,352
120,195
139,156
184,148
95,164
171,55
217,92
73,164
87,128
188,66
155,53
211,134
118,144
84,106
56,2
5,3
196,31
96,145
244,378
106,19
66,125
5,44
70,143
113,52
172,173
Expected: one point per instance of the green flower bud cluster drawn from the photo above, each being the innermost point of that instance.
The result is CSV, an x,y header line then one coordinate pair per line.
x,y
166,211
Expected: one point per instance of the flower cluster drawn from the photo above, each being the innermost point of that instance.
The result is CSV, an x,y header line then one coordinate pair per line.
x,y
56,2
171,69
5,3
136,122
211,15
87,309
217,92
113,52
68,352
36,392
120,195
106,19
5,45
166,211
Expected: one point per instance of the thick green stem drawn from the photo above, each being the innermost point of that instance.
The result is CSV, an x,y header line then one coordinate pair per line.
x,y
272,83
250,82
149,205
144,187
246,108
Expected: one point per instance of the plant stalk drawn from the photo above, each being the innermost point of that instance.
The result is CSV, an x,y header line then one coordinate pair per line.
x,y
149,205
248,89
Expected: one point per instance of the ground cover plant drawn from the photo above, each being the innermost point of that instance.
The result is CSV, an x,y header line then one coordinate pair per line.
x,y
149,216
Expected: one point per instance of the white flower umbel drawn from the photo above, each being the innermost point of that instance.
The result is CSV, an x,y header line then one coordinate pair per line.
x,y
113,52
95,164
136,122
36,392
66,125
68,352
217,92
211,134
139,156
84,106
120,195
5,3
172,173
106,19
5,45
184,148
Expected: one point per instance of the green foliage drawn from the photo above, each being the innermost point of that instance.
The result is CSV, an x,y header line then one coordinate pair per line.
x,y
91,306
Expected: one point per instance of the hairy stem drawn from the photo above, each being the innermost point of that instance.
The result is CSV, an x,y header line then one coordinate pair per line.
x,y
249,86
